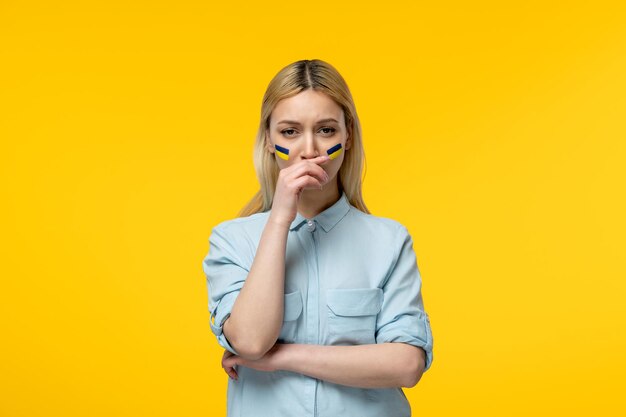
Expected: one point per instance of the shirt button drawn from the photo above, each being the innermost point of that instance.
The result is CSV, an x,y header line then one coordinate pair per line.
x,y
310,225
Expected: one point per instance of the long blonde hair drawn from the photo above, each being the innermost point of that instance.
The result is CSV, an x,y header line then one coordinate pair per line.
x,y
291,80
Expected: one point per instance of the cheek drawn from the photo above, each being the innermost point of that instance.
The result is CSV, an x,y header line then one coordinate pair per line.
x,y
283,163
335,151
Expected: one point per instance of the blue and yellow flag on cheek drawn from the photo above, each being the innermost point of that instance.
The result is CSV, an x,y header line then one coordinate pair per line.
x,y
334,151
282,152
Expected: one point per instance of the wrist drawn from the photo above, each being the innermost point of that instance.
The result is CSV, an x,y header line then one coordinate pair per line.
x,y
282,224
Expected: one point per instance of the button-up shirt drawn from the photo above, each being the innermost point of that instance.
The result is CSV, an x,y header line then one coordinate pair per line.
x,y
351,278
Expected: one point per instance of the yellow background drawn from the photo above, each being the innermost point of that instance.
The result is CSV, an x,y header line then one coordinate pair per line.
x,y
494,131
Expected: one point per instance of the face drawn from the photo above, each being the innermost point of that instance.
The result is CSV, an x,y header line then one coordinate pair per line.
x,y
308,125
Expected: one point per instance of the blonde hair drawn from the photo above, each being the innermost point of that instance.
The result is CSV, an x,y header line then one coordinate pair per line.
x,y
294,78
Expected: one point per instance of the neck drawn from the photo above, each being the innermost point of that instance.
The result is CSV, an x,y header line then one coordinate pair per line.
x,y
312,202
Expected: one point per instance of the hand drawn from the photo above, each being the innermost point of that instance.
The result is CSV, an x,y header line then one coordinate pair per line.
x,y
270,362
303,174
230,369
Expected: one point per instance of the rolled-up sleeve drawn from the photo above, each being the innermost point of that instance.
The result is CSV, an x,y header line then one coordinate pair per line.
x,y
402,317
225,275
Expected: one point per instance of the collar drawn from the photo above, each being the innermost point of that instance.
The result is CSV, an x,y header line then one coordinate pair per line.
x,y
327,218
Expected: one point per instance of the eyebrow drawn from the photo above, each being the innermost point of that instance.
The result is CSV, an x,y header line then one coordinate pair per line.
x,y
293,122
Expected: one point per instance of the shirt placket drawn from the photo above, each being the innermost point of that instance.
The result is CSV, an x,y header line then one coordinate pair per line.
x,y
310,240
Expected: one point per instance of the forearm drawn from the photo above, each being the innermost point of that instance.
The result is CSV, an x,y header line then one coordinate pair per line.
x,y
257,315
381,365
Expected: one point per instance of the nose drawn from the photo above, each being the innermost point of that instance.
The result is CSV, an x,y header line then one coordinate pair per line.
x,y
309,150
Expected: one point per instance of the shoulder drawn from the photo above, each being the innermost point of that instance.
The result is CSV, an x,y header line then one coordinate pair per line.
x,y
239,236
383,235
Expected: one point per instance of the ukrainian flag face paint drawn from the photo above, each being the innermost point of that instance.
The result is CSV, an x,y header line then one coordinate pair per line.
x,y
282,152
334,151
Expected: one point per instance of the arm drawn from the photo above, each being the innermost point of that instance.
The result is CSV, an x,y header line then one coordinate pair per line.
x,y
402,318
251,333
248,303
383,365
233,275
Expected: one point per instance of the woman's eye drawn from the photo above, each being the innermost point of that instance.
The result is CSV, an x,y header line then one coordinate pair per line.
x,y
325,130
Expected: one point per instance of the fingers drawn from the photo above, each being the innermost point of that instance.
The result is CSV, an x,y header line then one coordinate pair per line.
x,y
228,365
230,370
309,168
321,159
306,181
292,180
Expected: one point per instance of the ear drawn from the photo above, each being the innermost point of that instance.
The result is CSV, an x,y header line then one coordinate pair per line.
x,y
349,128
268,144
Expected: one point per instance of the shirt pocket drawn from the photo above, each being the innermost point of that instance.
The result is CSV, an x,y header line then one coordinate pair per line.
x,y
352,315
292,311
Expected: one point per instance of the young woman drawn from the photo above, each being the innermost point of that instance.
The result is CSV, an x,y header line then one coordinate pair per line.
x,y
317,302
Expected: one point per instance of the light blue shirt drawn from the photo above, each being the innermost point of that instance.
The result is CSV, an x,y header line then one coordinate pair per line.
x,y
351,278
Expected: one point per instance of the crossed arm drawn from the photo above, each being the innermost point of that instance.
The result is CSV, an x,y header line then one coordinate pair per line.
x,y
381,365
254,335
